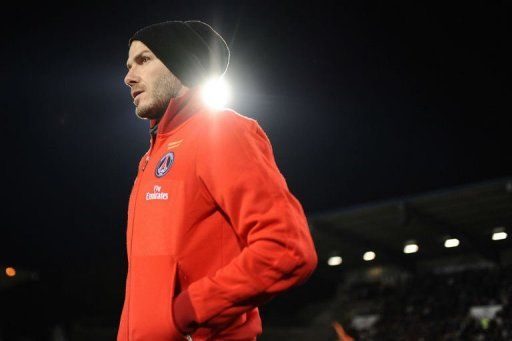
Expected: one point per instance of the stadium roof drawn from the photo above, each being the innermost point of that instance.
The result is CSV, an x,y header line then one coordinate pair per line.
x,y
470,214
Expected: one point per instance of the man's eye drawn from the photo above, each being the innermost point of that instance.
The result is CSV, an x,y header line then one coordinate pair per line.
x,y
145,59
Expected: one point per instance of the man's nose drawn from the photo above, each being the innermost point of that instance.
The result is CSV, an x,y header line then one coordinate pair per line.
x,y
131,78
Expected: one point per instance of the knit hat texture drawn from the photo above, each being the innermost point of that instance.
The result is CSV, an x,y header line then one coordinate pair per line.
x,y
191,50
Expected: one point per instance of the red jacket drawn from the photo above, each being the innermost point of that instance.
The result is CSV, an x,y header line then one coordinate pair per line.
x,y
213,230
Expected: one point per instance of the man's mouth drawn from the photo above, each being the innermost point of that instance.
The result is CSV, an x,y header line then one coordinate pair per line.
x,y
136,97
136,93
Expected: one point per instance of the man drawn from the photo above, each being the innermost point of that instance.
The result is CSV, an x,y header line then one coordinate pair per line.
x,y
213,231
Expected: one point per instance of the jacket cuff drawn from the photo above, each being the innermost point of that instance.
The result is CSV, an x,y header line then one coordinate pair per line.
x,y
184,314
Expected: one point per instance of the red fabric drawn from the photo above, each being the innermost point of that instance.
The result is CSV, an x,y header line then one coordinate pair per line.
x,y
216,236
184,313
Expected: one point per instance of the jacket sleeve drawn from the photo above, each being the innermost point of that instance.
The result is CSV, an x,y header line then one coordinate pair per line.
x,y
236,164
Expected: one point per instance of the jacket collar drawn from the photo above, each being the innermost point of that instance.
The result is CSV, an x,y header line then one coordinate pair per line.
x,y
178,111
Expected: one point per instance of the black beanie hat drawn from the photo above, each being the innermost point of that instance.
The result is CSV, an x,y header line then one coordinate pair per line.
x,y
191,50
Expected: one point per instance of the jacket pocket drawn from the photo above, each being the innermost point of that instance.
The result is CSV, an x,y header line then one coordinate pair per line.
x,y
152,293
173,293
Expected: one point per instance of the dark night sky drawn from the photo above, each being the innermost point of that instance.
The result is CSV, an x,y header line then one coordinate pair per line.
x,y
362,101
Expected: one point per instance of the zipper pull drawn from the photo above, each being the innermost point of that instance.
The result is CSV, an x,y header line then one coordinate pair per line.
x,y
152,133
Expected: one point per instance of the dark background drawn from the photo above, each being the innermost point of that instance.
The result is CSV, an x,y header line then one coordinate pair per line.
x,y
362,101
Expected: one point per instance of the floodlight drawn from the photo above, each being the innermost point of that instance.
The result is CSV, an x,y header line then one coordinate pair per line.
x,y
411,248
451,242
369,255
499,235
215,92
333,261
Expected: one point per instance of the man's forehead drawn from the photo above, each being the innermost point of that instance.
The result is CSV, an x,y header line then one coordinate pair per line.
x,y
137,47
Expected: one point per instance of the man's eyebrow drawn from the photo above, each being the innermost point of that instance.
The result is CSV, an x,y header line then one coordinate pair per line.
x,y
128,64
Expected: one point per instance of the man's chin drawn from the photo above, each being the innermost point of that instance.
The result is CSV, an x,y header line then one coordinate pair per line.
x,y
154,110
144,113
142,116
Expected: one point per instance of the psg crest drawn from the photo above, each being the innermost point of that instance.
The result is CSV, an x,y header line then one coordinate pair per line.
x,y
165,163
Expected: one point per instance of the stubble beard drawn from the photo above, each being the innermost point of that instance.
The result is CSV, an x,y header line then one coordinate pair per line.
x,y
164,88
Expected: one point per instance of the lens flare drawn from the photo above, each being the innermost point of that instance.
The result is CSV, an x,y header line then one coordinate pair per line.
x,y
215,93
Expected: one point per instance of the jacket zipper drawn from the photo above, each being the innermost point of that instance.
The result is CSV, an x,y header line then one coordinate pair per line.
x,y
148,155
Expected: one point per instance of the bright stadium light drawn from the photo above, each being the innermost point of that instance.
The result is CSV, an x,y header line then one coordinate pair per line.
x,y
451,242
333,261
215,92
499,234
411,248
369,255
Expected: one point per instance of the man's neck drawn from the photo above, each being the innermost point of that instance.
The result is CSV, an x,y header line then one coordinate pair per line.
x,y
154,121
174,107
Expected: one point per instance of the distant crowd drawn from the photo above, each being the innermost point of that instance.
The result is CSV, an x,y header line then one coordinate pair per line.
x,y
436,306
